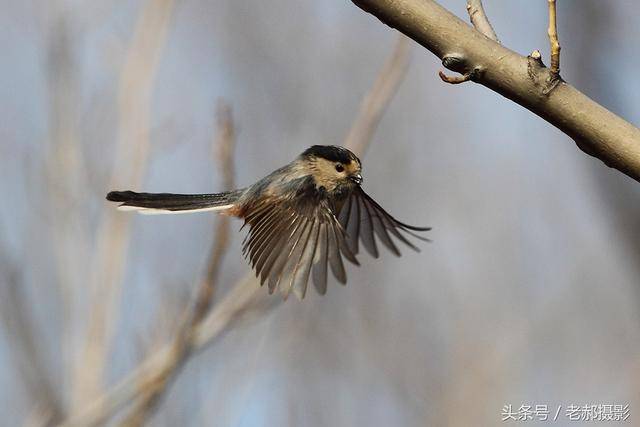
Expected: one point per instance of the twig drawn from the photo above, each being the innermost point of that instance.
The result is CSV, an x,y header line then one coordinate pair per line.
x,y
553,39
376,101
480,20
518,78
152,389
134,99
238,303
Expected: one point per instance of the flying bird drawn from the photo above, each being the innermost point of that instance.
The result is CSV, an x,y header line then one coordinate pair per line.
x,y
302,218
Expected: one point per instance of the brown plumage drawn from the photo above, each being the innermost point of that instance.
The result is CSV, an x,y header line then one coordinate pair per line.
x,y
303,218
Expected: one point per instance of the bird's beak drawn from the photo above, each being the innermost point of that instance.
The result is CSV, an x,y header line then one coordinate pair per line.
x,y
357,178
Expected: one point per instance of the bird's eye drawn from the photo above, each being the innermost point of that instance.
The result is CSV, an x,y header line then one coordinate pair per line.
x,y
339,168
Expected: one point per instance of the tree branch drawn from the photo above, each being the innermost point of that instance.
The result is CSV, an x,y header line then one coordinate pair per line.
x,y
479,19
524,80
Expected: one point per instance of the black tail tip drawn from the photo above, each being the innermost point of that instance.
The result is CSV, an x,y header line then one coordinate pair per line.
x,y
119,196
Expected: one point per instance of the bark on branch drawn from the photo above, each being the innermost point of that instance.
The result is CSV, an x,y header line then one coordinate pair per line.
x,y
523,79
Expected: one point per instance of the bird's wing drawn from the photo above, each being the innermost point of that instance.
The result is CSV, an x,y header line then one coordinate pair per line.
x,y
362,219
290,240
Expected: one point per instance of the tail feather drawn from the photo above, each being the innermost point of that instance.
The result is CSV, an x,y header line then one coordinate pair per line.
x,y
167,203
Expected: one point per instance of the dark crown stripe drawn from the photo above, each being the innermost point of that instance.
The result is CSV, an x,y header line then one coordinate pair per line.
x,y
330,152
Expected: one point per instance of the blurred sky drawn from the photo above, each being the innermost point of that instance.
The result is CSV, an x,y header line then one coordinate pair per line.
x,y
529,293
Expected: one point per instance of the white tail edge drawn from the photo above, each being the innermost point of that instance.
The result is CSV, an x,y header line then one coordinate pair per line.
x,y
158,211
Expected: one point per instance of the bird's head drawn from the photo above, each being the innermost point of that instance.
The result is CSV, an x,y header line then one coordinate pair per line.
x,y
333,167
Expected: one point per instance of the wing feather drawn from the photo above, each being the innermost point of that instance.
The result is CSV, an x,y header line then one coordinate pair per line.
x,y
335,260
366,228
259,234
366,220
269,249
299,283
290,244
290,240
409,229
292,267
320,261
380,230
271,252
263,235
276,261
352,227
343,243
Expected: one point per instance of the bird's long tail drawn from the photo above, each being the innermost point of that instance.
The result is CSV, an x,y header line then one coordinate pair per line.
x,y
167,203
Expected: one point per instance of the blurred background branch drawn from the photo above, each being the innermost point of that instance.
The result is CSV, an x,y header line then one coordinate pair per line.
x,y
132,150
376,101
15,317
151,389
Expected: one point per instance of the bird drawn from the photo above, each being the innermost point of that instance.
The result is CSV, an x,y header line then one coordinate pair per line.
x,y
302,218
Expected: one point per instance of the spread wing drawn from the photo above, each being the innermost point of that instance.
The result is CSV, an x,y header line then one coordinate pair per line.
x,y
289,241
362,219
